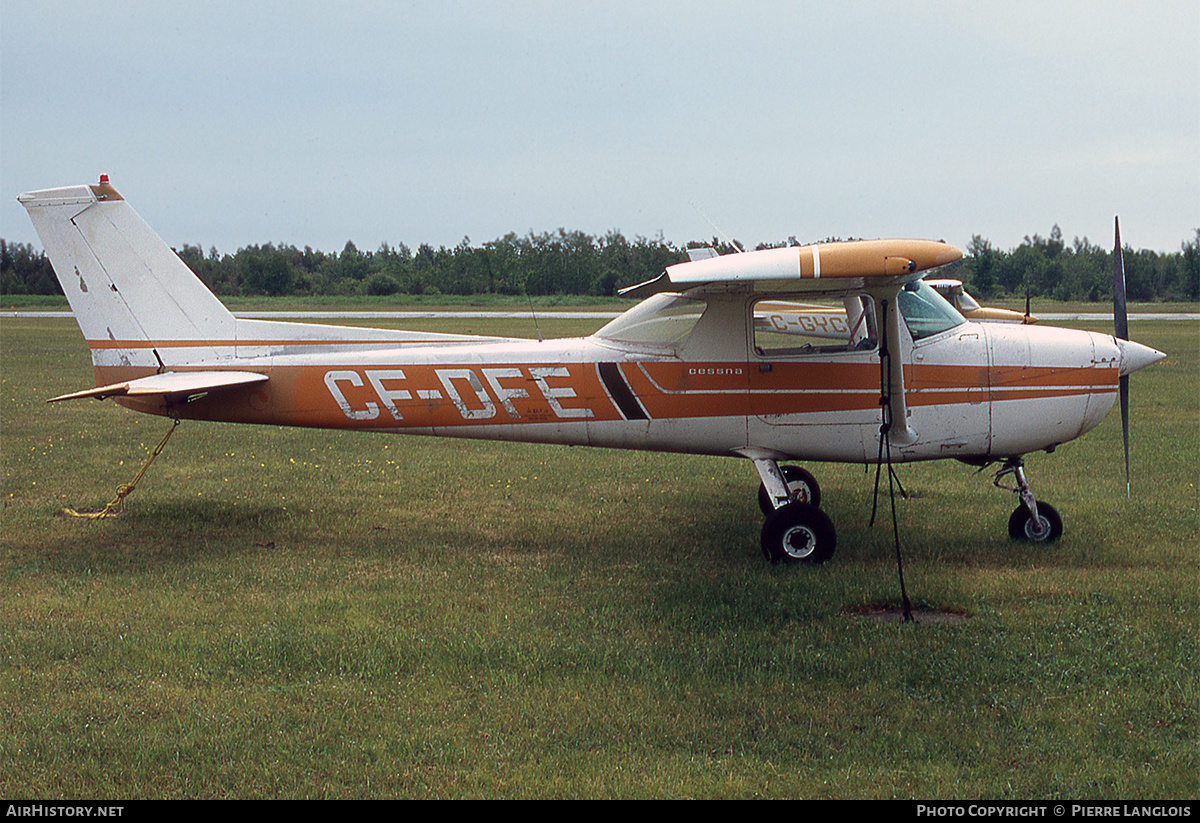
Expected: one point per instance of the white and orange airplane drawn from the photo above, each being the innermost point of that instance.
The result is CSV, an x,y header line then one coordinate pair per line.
x,y
969,307
904,378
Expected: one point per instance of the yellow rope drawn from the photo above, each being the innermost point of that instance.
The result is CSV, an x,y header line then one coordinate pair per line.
x,y
118,503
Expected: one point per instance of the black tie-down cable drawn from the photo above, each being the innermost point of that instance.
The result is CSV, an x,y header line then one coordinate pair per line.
x,y
885,453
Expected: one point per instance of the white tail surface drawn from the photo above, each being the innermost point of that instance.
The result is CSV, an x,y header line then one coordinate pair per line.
x,y
128,290
143,311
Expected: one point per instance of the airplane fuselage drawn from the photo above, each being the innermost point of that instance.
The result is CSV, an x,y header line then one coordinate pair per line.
x,y
973,391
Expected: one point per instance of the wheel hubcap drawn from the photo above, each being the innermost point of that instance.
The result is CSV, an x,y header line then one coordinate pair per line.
x,y
1037,528
799,542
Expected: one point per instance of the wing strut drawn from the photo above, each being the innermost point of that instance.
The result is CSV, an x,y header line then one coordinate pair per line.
x,y
892,379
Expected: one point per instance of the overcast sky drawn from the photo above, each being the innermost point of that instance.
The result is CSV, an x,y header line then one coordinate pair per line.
x,y
313,123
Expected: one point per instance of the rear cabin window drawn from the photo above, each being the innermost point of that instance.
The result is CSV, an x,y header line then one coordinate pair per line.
x,y
661,321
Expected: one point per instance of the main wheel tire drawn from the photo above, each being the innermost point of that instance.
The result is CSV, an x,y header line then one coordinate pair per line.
x,y
798,533
1048,527
801,483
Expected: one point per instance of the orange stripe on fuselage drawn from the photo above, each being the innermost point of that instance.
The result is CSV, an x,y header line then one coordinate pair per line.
x,y
674,390
455,395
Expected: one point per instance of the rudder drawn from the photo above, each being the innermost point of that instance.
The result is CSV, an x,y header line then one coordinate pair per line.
x,y
128,290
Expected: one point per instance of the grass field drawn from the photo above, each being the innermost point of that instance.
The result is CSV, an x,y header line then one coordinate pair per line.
x,y
289,613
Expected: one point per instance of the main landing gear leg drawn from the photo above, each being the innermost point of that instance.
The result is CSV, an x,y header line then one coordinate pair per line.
x,y
1034,521
774,488
795,531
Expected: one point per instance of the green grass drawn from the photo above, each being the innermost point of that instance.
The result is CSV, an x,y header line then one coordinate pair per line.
x,y
290,613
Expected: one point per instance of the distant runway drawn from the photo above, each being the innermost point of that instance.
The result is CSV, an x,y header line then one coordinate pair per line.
x,y
549,313
376,315
1148,315
422,315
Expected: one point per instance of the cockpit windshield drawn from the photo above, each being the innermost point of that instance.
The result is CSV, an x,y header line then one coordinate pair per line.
x,y
925,311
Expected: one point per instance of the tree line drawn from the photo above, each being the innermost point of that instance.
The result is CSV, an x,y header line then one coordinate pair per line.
x,y
576,263
1049,267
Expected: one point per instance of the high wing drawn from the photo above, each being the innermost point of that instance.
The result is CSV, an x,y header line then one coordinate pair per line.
x,y
820,267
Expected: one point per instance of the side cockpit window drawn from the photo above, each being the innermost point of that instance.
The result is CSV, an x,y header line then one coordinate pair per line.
x,y
785,328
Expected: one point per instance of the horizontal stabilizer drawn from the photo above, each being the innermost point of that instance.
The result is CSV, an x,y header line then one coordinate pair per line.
x,y
170,384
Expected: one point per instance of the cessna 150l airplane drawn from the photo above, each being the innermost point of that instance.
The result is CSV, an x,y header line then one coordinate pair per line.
x,y
687,370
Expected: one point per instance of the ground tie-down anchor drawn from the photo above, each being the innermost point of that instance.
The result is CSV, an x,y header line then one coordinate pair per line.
x,y
117,504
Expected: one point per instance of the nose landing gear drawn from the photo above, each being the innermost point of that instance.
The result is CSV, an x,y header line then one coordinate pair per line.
x,y
1034,521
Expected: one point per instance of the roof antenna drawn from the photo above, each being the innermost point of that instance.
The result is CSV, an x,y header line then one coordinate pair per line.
x,y
716,228
533,313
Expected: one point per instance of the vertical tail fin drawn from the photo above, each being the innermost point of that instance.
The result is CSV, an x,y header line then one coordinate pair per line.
x,y
129,291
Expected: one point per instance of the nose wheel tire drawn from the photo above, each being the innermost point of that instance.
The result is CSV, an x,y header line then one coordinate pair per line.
x,y
1047,528
798,533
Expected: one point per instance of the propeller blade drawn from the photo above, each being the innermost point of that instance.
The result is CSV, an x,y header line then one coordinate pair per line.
x,y
1121,331
1124,387
1120,316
